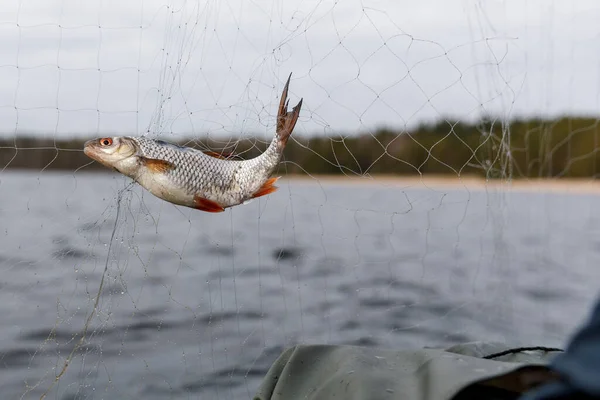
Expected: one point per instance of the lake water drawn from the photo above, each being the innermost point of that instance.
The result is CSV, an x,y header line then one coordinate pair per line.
x,y
198,305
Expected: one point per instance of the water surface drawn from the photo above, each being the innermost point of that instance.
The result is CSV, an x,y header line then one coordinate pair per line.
x,y
198,305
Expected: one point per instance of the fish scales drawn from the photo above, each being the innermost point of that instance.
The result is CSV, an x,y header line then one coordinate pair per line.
x,y
197,172
189,177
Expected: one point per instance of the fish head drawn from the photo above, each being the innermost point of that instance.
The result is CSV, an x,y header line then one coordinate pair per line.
x,y
113,152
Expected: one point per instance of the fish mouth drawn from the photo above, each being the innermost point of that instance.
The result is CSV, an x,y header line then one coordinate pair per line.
x,y
88,149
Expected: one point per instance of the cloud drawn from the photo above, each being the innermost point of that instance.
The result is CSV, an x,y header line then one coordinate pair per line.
x,y
85,68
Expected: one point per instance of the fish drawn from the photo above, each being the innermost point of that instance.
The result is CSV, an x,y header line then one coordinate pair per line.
x,y
185,176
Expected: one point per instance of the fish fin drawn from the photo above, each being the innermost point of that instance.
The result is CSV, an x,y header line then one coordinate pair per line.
x,y
266,188
222,156
286,120
217,155
156,165
207,205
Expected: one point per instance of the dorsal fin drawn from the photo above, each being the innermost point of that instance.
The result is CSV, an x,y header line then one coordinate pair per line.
x,y
222,156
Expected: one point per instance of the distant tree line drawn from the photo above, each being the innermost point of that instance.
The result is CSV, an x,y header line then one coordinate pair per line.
x,y
564,147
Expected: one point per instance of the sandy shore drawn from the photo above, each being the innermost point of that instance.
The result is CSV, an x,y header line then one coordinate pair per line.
x,y
469,182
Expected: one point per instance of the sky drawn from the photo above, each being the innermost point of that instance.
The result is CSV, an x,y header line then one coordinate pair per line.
x,y
87,68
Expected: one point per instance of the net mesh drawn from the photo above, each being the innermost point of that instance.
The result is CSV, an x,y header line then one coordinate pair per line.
x,y
411,211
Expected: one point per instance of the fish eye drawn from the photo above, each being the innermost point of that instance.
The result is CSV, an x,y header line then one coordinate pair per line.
x,y
106,141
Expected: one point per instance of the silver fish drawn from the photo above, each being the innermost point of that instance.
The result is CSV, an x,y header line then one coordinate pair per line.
x,y
192,178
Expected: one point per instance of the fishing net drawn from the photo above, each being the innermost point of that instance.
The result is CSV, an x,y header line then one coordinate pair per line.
x,y
438,187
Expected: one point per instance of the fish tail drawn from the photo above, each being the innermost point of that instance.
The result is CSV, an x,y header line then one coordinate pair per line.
x,y
286,120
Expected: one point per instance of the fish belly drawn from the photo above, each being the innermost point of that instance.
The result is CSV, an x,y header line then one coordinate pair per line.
x,y
160,185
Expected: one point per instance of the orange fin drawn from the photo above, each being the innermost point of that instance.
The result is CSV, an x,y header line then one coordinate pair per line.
x,y
266,188
156,165
207,205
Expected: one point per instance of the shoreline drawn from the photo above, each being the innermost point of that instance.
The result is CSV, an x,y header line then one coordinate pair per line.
x,y
564,185
429,181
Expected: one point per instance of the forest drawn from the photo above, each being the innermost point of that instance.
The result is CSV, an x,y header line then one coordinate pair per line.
x,y
527,148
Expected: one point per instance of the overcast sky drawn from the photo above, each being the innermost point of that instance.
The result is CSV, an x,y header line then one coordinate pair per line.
x,y
93,67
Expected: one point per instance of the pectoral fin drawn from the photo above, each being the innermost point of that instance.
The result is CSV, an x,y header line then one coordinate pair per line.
x,y
156,165
207,205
